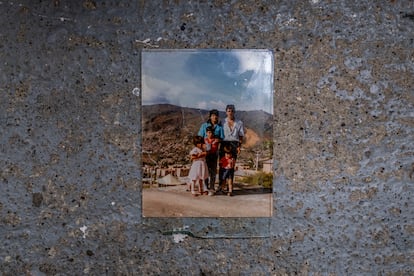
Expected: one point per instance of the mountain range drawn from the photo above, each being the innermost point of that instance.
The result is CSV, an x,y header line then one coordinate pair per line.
x,y
167,132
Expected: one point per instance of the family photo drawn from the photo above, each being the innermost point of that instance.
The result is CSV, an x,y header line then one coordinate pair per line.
x,y
207,147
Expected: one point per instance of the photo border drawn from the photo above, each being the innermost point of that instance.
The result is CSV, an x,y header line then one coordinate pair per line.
x,y
209,227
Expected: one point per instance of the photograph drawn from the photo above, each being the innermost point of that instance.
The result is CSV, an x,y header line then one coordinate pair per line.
x,y
207,132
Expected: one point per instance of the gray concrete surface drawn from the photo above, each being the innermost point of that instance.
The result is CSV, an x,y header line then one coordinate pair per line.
x,y
70,194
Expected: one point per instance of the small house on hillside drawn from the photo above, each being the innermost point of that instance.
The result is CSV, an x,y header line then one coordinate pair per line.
x,y
268,166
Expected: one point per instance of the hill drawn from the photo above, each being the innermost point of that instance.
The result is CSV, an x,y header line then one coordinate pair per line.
x,y
168,131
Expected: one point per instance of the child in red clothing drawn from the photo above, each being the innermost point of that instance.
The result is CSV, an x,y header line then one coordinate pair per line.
x,y
212,144
226,172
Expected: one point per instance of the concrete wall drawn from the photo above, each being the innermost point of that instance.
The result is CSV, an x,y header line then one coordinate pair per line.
x,y
70,191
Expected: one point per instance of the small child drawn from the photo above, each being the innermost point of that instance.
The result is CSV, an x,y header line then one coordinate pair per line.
x,y
198,171
226,172
212,144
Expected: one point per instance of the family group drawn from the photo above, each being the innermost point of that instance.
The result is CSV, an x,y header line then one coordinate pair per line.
x,y
214,142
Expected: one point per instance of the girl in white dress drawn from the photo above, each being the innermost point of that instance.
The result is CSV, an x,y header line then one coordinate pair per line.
x,y
198,171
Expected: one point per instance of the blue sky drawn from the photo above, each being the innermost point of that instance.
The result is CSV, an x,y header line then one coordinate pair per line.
x,y
208,79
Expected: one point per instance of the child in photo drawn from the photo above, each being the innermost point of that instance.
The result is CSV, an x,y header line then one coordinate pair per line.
x,y
198,171
212,144
226,172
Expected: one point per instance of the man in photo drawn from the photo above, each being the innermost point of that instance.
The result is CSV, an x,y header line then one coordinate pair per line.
x,y
233,136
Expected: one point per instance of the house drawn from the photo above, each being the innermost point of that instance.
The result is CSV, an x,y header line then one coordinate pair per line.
x,y
268,166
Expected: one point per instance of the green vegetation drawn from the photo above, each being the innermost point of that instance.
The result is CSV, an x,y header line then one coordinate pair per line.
x,y
260,178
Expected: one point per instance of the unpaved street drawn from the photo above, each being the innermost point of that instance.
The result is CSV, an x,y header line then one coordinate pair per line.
x,y
174,201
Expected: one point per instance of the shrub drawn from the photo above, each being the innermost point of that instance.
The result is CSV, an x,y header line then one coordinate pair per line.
x,y
260,178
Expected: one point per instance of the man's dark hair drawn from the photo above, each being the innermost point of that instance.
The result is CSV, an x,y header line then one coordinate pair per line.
x,y
230,106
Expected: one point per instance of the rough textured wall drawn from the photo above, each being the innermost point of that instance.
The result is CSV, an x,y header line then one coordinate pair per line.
x,y
70,200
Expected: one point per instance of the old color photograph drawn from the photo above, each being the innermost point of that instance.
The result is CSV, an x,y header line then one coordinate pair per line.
x,y
207,133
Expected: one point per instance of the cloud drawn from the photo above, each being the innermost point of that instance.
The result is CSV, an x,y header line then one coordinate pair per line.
x,y
258,61
219,105
202,105
208,79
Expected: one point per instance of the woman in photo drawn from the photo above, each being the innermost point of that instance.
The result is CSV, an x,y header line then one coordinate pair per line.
x,y
214,126
214,123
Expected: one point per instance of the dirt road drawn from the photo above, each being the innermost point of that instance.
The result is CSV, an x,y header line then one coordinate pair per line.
x,y
174,201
